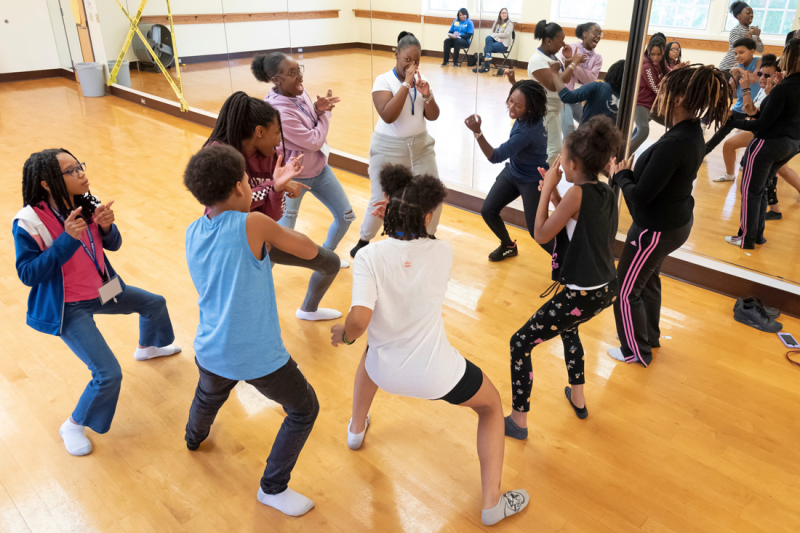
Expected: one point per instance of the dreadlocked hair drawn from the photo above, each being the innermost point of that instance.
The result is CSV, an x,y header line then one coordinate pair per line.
x,y
593,144
535,99
790,60
239,117
43,167
706,94
411,198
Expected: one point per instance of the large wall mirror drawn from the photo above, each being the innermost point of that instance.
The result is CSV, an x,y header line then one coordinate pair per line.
x,y
344,46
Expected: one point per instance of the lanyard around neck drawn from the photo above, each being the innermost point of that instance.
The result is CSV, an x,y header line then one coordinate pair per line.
x,y
93,253
413,100
303,109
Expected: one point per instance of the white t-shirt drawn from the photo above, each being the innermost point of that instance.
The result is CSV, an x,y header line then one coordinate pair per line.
x,y
406,125
759,99
539,61
404,283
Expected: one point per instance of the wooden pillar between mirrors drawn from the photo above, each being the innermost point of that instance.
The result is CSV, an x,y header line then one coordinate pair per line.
x,y
79,12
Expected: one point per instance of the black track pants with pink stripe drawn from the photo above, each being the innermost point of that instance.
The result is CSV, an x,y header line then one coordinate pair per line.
x,y
638,308
762,160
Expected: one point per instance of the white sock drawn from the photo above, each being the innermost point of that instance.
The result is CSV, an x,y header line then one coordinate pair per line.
x,y
510,503
616,354
142,354
344,263
319,314
288,502
355,440
75,439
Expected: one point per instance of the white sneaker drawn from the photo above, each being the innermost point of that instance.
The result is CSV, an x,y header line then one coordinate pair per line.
x,y
344,263
734,240
724,177
355,440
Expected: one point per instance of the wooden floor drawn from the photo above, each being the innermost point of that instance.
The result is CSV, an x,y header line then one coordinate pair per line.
x,y
459,93
705,440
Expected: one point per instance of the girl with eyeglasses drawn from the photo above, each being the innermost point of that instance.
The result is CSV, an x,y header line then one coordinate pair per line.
x,y
60,236
586,72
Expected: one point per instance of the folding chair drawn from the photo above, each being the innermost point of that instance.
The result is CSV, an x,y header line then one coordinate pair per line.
x,y
505,56
463,54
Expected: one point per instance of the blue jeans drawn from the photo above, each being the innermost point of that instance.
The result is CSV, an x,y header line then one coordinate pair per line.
x,y
492,46
327,189
98,402
569,115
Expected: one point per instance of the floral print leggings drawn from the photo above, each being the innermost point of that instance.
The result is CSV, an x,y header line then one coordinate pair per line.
x,y
559,316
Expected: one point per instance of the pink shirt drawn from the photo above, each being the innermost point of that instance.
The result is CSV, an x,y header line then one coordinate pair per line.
x,y
81,280
588,71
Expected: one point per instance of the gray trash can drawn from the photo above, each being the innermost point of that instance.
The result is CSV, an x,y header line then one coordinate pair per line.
x,y
124,74
92,78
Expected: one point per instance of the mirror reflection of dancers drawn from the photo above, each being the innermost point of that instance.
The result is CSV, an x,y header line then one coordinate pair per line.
x,y
586,73
404,101
588,214
253,128
658,192
525,152
399,287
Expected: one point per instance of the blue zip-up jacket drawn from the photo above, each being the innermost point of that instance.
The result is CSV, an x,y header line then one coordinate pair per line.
x,y
39,262
600,99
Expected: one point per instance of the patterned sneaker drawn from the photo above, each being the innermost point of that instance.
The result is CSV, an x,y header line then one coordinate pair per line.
x,y
503,252
735,240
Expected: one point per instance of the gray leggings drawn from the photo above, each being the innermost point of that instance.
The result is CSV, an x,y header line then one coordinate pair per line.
x,y
641,120
325,265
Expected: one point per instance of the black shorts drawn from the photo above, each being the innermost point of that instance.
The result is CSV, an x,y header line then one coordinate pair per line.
x,y
467,387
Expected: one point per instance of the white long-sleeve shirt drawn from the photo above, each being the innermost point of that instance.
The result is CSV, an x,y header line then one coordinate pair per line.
x,y
739,32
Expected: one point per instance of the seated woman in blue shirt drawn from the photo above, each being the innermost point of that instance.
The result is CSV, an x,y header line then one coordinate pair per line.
x,y
526,152
601,98
458,36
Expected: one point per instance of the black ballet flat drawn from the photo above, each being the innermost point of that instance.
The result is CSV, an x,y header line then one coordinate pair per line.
x,y
580,412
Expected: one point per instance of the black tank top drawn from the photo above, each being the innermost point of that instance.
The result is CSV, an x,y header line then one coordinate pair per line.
x,y
589,259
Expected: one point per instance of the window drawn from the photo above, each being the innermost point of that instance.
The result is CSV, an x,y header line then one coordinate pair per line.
x,y
448,5
774,17
580,10
494,6
687,14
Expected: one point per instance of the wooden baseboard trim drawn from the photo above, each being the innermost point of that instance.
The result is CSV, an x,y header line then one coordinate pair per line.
x,y
38,75
172,109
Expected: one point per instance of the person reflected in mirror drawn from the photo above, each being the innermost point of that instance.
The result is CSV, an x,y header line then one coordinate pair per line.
x,y
498,41
552,41
253,128
600,98
588,283
524,152
658,193
776,140
305,123
743,13
404,102
748,64
62,236
673,56
653,69
585,73
399,287
459,37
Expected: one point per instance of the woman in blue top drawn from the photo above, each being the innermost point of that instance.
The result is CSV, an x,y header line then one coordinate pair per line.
x,y
458,36
526,151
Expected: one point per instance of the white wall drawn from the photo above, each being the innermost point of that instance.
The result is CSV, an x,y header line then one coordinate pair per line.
x,y
26,41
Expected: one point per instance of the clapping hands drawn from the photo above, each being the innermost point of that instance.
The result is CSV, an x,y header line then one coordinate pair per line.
x,y
326,103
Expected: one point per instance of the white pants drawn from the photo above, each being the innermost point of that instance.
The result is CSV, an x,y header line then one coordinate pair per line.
x,y
417,153
552,122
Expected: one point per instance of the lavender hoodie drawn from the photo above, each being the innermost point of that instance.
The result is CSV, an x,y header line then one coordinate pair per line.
x,y
300,132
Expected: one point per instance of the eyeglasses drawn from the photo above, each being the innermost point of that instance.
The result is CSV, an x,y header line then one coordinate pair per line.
x,y
74,172
295,72
766,76
600,34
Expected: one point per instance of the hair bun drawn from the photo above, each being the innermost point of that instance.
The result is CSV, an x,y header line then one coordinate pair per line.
x,y
394,177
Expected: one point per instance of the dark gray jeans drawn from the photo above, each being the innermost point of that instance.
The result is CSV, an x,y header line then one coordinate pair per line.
x,y
286,386
325,266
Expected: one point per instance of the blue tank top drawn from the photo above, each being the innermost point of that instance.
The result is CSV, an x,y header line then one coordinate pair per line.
x,y
239,336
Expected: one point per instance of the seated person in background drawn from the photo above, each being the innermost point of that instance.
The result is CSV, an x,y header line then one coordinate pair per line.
x,y
458,36
673,56
498,41
602,98
585,73
746,62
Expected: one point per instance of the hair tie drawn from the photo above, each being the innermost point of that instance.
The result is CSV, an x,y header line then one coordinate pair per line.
x,y
739,8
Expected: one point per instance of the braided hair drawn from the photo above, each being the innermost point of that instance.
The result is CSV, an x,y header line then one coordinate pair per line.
x,y
705,91
535,99
790,60
410,198
266,66
43,167
239,117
